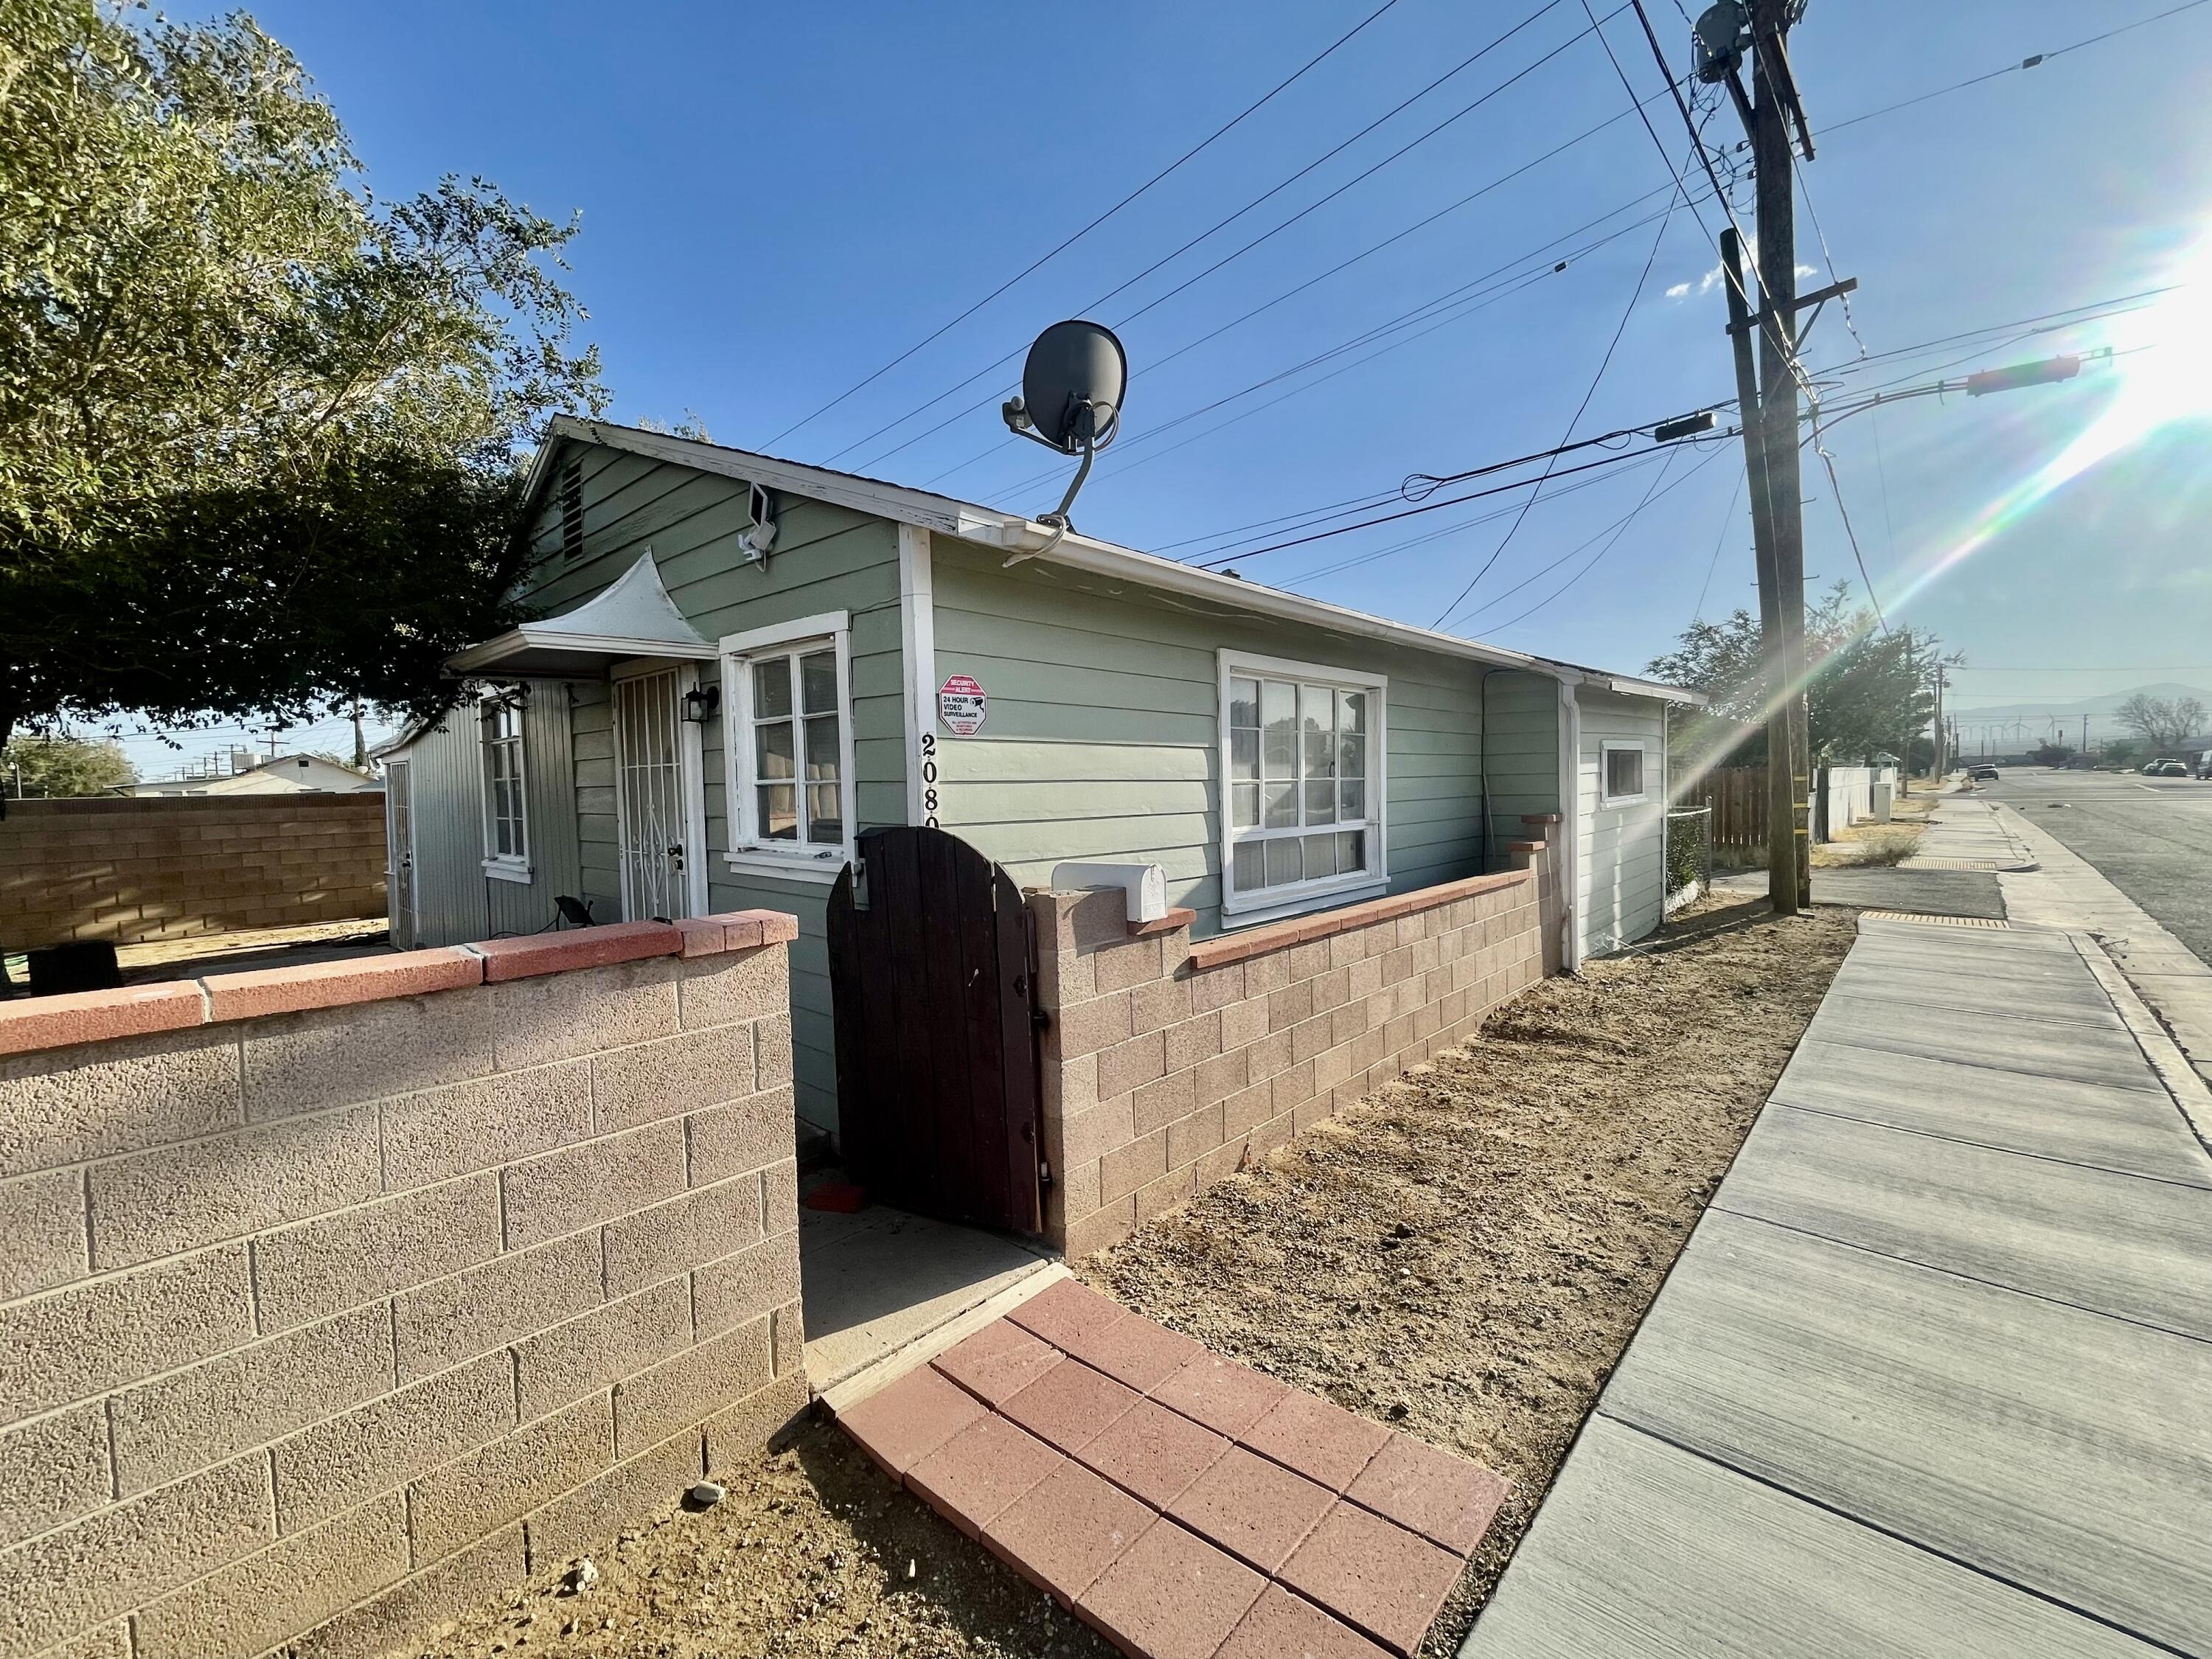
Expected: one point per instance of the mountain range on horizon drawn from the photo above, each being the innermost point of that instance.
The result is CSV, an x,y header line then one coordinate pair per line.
x,y
2070,713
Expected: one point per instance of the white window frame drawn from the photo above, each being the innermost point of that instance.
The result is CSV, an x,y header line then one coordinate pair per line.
x,y
749,852
1609,746
504,867
1272,904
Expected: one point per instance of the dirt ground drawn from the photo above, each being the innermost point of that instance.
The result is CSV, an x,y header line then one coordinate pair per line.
x,y
1467,1255
1464,1256
1877,843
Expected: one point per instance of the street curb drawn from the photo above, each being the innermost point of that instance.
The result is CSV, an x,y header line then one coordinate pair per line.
x,y
2180,1078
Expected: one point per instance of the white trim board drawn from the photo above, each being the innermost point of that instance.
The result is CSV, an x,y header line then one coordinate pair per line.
x,y
917,647
748,853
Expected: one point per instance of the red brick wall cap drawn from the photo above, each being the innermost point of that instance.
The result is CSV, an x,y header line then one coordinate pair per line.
x,y
1304,930
1542,817
32,1022
1524,846
333,984
1166,924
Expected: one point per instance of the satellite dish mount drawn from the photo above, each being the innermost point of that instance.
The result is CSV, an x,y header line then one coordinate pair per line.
x,y
1072,390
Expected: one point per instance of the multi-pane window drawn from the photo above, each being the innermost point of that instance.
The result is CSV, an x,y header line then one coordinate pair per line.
x,y
798,748
1302,808
507,838
1624,774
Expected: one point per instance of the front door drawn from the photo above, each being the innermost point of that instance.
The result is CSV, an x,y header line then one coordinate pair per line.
x,y
399,852
936,1081
656,787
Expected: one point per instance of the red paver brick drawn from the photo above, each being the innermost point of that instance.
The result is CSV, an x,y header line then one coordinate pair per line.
x,y
1154,1452
903,1422
1322,1441
1065,1312
1227,1397
1134,1351
1378,1577
1171,1595
1070,1406
998,1362
1427,1489
335,984
532,954
1067,1530
973,1477
1257,1510
74,1017
1282,1626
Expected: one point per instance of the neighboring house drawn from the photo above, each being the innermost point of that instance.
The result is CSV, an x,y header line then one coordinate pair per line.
x,y
744,662
281,774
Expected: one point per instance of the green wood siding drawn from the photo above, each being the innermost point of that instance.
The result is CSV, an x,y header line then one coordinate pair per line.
x,y
1102,742
827,558
1522,721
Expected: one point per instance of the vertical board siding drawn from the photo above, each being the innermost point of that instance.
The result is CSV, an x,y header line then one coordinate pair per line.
x,y
1621,851
1102,742
826,558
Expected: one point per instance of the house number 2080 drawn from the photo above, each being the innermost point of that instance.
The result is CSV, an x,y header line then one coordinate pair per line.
x,y
929,780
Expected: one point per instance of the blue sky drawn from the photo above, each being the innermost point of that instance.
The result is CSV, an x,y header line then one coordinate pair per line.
x,y
775,201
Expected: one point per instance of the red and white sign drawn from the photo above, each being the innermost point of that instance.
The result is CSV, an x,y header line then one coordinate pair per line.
x,y
961,704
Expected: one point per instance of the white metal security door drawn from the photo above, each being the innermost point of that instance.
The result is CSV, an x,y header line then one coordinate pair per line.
x,y
651,798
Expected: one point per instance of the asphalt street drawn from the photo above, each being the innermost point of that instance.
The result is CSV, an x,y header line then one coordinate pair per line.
x,y
2151,837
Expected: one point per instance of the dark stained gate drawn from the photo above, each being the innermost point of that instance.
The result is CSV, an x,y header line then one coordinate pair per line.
x,y
937,1074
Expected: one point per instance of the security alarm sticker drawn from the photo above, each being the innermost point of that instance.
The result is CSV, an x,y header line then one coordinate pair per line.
x,y
962,704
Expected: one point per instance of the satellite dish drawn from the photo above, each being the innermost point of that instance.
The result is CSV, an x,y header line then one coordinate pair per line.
x,y
1072,389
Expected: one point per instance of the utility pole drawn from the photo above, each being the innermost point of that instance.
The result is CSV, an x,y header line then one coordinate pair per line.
x,y
1782,888
2085,734
360,743
1942,732
1778,396
1904,755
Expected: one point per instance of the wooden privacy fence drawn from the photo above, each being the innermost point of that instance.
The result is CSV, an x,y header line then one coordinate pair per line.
x,y
1737,795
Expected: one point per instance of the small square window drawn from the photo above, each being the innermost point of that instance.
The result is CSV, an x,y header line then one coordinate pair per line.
x,y
1624,773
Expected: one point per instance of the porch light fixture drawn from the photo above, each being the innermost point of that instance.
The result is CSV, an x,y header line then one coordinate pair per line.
x,y
701,701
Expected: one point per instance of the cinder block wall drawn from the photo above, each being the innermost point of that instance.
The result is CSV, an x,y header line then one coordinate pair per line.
x,y
152,867
1167,1063
334,1298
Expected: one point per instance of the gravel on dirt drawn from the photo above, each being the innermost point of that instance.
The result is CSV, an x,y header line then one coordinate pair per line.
x,y
1463,1256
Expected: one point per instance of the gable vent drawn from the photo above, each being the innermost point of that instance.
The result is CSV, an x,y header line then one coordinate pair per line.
x,y
572,510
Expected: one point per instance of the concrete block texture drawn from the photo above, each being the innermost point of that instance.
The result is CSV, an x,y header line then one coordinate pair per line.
x,y
252,1605
66,1581
42,1223
563,1015
351,1458
440,1324
578,1185
63,1106
339,1056
190,1419
311,1325
739,988
442,1132
672,1075
72,1344
52,1469
175,1198
443,1591
316,1268
458,1504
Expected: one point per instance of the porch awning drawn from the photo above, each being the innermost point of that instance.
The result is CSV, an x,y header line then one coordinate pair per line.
x,y
633,618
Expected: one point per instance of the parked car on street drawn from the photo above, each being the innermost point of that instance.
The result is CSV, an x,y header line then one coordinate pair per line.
x,y
1983,774
2165,768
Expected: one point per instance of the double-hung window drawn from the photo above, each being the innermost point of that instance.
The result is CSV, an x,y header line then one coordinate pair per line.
x,y
789,742
506,815
1302,812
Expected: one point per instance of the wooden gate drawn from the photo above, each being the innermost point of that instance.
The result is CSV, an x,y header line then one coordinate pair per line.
x,y
937,1078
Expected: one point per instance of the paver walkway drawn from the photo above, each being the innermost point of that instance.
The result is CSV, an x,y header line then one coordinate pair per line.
x,y
1183,1505
1933,1375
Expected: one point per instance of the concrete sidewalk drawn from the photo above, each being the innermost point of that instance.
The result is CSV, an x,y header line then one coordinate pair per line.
x,y
1931,1376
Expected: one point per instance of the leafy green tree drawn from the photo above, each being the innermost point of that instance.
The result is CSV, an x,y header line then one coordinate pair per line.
x,y
46,768
2051,753
259,431
1866,689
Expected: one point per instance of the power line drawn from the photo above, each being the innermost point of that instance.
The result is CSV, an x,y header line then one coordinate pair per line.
x,y
1219,225
2027,62
1063,247
1727,518
1634,296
